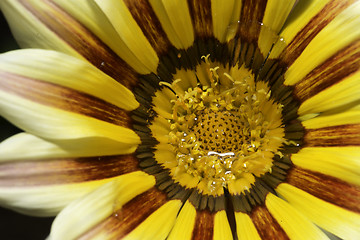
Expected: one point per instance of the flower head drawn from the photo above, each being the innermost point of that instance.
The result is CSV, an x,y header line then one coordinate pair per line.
x,y
184,119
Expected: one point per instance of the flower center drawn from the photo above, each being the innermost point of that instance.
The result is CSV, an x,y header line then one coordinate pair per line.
x,y
225,131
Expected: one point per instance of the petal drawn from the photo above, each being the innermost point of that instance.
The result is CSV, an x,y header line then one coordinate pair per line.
x,y
343,116
266,225
307,19
129,32
45,200
337,220
179,30
149,215
245,228
335,69
52,111
221,226
201,15
341,32
327,188
25,146
184,225
44,187
340,135
60,69
85,213
48,25
338,162
223,15
275,14
345,92
55,171
296,225
146,19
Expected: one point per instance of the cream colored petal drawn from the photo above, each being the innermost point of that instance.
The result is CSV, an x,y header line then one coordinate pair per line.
x,y
343,223
245,227
339,162
51,123
340,32
25,146
67,71
129,32
345,92
126,40
175,19
33,25
29,31
45,200
296,225
84,213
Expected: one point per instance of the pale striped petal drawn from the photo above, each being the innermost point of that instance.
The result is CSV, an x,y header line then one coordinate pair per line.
x,y
82,215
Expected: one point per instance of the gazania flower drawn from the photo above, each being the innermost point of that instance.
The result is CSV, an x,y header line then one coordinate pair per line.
x,y
184,119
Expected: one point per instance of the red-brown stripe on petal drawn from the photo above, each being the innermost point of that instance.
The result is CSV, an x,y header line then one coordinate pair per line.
x,y
130,216
204,225
327,188
266,225
150,25
252,13
315,25
64,98
341,135
332,71
200,11
82,40
63,171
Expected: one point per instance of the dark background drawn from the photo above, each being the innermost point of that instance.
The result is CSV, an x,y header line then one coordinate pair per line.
x,y
15,226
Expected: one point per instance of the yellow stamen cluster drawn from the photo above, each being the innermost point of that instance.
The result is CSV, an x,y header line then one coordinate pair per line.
x,y
226,129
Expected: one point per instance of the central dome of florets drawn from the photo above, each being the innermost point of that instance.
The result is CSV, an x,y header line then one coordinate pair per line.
x,y
226,130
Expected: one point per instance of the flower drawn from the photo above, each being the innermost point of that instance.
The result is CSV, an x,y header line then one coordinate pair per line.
x,y
184,119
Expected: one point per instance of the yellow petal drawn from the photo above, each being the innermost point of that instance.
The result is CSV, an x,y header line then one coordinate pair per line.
x,y
342,31
222,15
276,13
61,69
159,224
303,12
130,33
266,226
221,226
334,136
184,224
84,213
245,227
345,92
339,162
338,117
179,29
343,223
296,225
